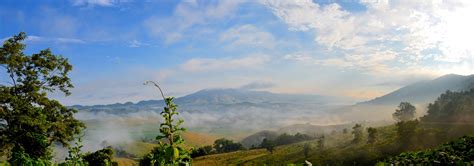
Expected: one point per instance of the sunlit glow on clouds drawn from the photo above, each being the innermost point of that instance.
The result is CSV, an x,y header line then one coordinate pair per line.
x,y
297,46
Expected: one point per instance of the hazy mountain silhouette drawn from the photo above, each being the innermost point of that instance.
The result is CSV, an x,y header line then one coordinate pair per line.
x,y
425,91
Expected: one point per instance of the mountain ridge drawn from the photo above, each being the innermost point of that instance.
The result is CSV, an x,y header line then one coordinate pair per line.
x,y
425,91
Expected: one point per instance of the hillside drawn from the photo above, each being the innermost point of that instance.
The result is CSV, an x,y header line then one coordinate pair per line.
x,y
425,91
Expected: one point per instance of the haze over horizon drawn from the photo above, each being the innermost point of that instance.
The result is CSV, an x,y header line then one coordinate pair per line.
x,y
361,49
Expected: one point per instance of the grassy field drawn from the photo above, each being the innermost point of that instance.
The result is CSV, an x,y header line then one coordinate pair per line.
x,y
337,145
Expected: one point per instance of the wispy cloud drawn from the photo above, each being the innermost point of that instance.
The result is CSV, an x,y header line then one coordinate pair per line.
x,y
212,64
136,43
60,40
248,35
94,2
189,14
257,85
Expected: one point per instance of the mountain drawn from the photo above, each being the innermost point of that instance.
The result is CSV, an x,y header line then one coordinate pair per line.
x,y
224,111
425,91
223,99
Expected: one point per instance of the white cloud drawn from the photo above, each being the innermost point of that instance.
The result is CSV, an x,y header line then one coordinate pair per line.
x,y
248,35
94,2
211,64
32,38
136,43
188,14
258,85
409,28
298,57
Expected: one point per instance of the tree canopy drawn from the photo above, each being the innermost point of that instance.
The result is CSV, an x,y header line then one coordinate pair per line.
x,y
30,122
405,112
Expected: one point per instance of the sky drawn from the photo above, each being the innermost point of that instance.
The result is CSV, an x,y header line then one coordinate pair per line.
x,y
354,48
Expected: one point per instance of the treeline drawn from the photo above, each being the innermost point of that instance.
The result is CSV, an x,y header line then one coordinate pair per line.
x,y
447,118
221,145
224,145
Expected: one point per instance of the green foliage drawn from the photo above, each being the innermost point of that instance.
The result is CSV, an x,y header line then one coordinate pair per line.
x,y
285,139
457,152
75,157
406,131
321,142
306,149
452,107
357,131
345,131
202,151
405,112
224,145
101,157
268,144
372,137
173,152
30,122
20,158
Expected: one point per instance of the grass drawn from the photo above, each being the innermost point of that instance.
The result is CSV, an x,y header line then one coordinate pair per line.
x,y
337,145
125,162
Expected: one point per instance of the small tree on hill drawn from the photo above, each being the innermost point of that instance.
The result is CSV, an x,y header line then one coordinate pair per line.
x,y
223,145
306,149
405,112
101,157
357,131
173,151
372,137
321,141
268,144
406,131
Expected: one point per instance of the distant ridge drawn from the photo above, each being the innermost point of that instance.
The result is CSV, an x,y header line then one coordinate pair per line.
x,y
223,99
425,91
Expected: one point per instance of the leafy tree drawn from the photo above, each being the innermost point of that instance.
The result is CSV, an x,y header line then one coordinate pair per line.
x,y
452,107
406,131
202,151
173,151
357,131
224,145
306,149
372,137
405,112
101,157
345,131
30,122
268,144
321,141
75,157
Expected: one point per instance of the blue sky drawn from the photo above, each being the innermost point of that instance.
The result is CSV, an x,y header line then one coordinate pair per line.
x,y
359,49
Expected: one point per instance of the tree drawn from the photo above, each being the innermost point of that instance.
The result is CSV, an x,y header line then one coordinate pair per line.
x,y
405,132
344,131
101,157
405,112
223,145
372,137
202,151
357,131
321,141
306,150
173,152
30,122
268,144
75,157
